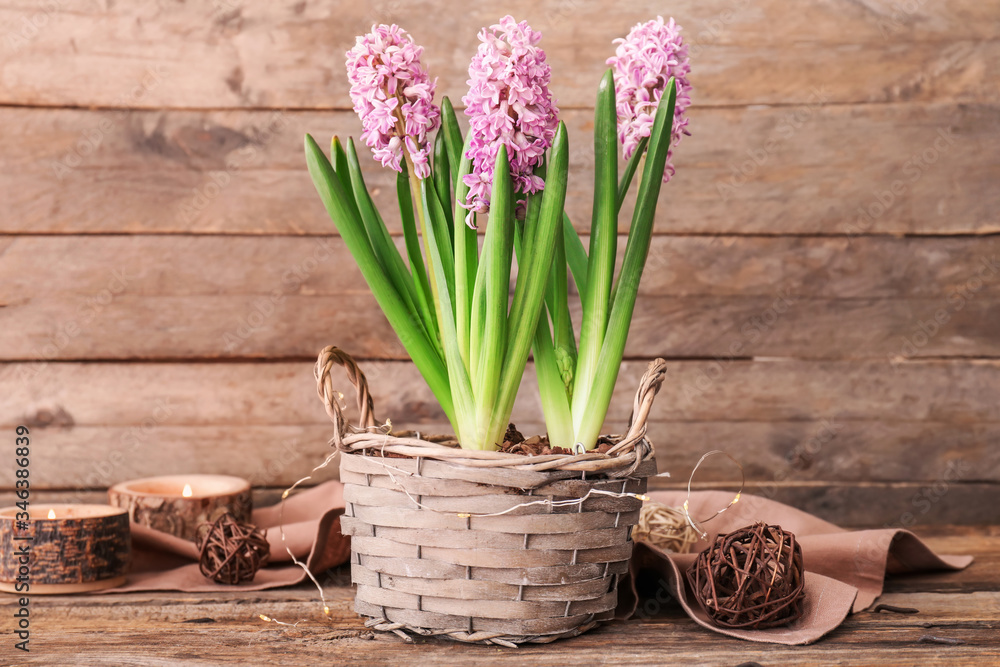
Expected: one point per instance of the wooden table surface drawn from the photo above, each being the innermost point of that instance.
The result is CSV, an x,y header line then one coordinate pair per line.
x,y
224,628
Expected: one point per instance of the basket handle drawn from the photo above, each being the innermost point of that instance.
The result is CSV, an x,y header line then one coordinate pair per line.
x,y
333,356
649,386
635,438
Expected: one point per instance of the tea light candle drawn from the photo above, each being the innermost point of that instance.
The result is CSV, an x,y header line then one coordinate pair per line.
x,y
63,548
178,504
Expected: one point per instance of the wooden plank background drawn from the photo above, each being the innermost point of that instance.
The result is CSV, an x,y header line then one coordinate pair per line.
x,y
824,279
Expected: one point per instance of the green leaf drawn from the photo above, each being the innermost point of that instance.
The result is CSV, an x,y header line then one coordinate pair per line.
x,y
352,231
554,381
627,287
477,322
452,139
385,250
531,282
603,245
533,207
497,255
557,299
552,387
441,232
339,159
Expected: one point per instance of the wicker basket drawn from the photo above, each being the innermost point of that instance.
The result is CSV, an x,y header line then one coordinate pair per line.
x,y
484,546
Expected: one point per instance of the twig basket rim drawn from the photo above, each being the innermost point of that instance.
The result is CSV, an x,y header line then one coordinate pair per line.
x,y
369,437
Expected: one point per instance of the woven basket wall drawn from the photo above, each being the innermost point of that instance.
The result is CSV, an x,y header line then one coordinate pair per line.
x,y
444,542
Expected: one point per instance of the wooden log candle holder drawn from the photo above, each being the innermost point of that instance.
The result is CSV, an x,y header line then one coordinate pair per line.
x,y
178,504
66,549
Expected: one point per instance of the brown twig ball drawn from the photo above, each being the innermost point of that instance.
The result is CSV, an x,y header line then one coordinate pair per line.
x,y
232,552
751,578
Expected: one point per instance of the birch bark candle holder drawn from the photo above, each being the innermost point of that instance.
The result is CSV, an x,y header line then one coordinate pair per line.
x,y
178,504
62,549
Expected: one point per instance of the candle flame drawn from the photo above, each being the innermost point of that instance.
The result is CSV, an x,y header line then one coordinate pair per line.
x,y
52,514
187,491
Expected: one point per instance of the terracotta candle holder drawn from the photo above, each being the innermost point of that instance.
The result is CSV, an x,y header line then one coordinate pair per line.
x,y
63,549
178,504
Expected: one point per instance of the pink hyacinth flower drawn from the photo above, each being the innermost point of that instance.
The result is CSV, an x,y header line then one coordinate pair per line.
x,y
643,64
509,105
393,95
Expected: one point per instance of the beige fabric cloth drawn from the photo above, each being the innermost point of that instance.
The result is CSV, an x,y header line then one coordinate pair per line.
x,y
162,562
845,570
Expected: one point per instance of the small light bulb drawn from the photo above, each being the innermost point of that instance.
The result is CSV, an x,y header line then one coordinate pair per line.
x,y
187,491
52,514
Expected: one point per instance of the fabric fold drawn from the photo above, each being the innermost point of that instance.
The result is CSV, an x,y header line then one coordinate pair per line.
x,y
845,570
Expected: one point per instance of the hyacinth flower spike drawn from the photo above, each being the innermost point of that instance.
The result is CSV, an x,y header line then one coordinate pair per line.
x,y
644,61
509,105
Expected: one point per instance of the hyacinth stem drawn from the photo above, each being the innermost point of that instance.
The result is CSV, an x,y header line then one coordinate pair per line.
x,y
466,258
576,255
418,269
417,197
627,286
630,168
442,176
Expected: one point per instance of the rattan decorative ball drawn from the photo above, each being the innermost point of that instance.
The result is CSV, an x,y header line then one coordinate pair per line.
x,y
665,527
232,552
751,578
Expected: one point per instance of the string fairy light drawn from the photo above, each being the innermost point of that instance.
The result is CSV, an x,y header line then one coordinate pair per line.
x,y
467,515
385,428
268,619
696,524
